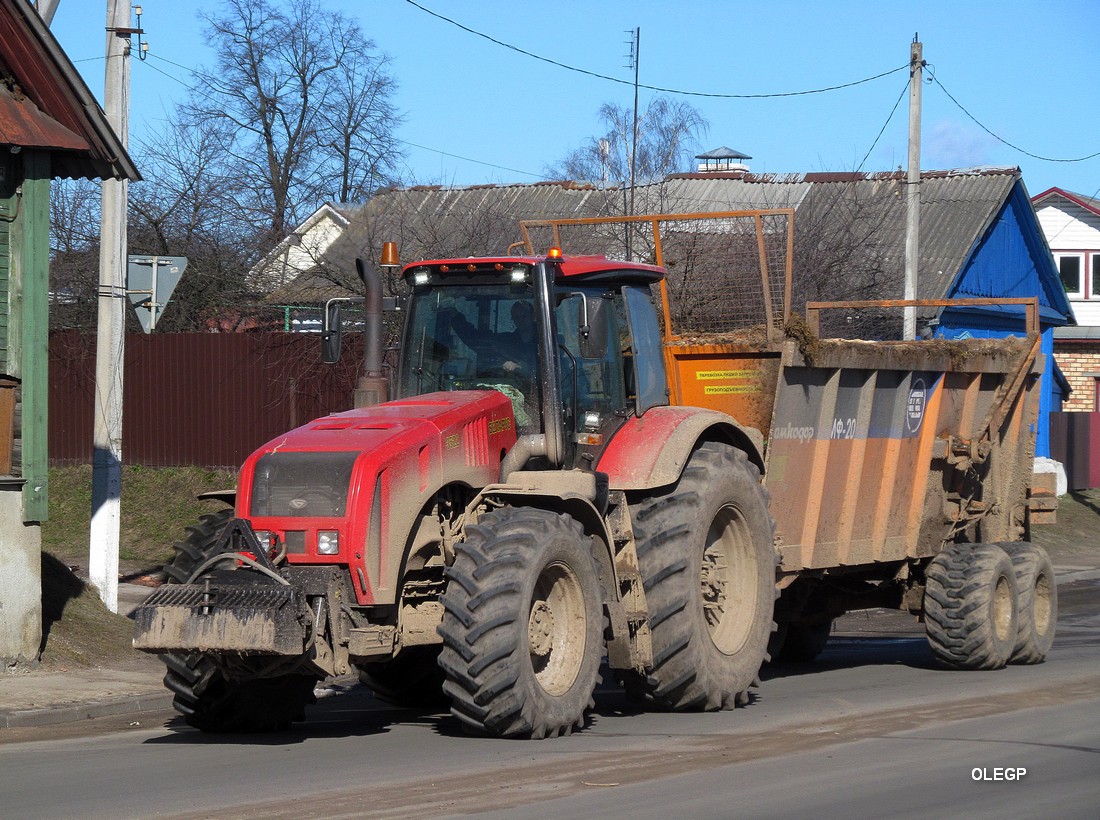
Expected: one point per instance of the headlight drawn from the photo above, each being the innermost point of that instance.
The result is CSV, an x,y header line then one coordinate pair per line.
x,y
265,538
328,542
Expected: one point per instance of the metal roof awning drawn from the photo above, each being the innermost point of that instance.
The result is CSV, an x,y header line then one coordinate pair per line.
x,y
23,124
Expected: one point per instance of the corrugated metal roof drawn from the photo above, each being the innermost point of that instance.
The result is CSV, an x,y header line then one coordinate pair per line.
x,y
1088,202
37,69
21,123
957,207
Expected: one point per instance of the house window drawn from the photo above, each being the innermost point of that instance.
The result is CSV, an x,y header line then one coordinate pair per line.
x,y
1080,273
1069,268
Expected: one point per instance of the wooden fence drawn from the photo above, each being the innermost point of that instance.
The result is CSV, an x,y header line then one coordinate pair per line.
x,y
206,399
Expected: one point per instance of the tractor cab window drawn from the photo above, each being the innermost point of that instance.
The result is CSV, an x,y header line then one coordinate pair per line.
x,y
590,334
474,337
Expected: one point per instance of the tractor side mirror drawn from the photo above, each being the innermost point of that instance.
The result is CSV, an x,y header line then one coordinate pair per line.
x,y
331,334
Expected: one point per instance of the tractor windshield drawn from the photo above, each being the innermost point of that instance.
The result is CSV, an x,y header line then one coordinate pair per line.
x,y
474,337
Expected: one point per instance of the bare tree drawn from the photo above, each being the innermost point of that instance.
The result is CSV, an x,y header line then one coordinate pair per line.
x,y
360,150
74,253
668,134
306,99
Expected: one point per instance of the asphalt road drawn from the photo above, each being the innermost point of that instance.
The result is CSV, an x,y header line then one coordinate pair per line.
x,y
872,729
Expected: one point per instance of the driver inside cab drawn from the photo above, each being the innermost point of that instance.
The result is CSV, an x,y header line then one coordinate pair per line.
x,y
506,360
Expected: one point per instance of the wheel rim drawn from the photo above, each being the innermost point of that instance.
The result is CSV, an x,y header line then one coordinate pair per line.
x,y
1042,608
1003,601
556,628
728,580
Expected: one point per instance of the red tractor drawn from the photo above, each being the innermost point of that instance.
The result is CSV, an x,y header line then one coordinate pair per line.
x,y
527,505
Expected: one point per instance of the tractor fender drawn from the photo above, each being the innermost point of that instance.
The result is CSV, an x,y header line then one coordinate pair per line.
x,y
226,496
573,492
651,451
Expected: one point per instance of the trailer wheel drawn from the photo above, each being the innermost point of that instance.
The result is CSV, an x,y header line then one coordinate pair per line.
x,y
708,567
412,679
203,695
522,625
970,606
1037,604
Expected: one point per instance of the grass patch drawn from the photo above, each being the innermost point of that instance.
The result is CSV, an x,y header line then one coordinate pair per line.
x,y
156,505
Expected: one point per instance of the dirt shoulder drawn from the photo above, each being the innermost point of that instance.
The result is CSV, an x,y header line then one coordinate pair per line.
x,y
1074,541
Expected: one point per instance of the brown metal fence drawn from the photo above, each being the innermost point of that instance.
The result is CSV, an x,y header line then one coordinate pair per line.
x,y
205,399
1075,441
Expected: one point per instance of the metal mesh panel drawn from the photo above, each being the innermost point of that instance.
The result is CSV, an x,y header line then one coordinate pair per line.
x,y
728,273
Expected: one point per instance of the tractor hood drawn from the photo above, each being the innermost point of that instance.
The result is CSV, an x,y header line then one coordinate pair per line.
x,y
346,488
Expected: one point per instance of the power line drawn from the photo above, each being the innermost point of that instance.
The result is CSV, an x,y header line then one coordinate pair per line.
x,y
470,159
883,129
165,73
658,88
1001,139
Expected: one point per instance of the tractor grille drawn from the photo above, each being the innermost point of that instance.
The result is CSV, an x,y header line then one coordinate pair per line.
x,y
302,484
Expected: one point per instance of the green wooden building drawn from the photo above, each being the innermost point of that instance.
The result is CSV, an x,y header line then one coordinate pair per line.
x,y
50,127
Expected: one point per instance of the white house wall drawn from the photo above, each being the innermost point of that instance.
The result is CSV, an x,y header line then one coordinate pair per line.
x,y
1069,227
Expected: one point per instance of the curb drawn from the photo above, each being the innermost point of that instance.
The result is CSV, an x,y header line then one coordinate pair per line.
x,y
51,715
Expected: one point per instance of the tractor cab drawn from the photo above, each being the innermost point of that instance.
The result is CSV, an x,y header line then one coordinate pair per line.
x,y
573,343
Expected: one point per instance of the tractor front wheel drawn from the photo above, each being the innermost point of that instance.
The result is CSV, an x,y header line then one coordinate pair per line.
x,y
522,625
203,695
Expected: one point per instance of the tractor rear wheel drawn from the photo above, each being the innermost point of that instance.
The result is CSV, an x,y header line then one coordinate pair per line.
x,y
708,563
522,625
1037,605
203,695
970,606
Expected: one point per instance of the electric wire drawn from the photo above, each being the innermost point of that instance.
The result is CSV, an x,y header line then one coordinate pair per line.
x,y
1000,139
883,129
660,89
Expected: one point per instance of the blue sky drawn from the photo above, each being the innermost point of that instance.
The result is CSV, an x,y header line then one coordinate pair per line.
x,y
476,112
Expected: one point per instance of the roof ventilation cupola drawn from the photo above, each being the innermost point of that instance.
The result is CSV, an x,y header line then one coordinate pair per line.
x,y
722,161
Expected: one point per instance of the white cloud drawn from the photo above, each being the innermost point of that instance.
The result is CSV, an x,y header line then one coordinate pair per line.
x,y
952,144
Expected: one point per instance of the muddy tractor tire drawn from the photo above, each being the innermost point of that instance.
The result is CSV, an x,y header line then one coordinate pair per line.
x,y
1037,604
522,625
707,561
970,602
196,548
413,679
211,703
207,700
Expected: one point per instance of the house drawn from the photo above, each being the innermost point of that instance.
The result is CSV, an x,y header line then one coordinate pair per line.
x,y
50,126
979,238
302,249
1071,224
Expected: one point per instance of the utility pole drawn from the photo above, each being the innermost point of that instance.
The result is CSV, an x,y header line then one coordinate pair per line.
x,y
912,188
635,49
110,335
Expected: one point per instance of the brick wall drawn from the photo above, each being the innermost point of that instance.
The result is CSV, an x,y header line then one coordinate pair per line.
x,y
1080,362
